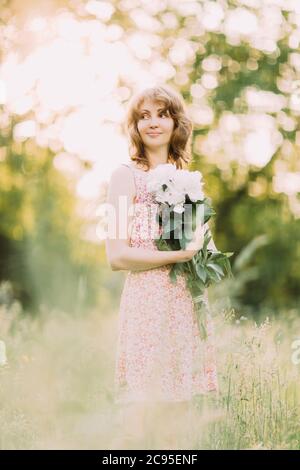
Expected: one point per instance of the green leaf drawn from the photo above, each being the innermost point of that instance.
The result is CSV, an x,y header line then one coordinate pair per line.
x,y
216,267
213,274
201,272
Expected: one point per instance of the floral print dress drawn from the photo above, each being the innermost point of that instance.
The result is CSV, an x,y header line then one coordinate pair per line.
x,y
160,355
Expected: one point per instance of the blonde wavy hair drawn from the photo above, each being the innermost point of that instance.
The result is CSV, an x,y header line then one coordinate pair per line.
x,y
181,139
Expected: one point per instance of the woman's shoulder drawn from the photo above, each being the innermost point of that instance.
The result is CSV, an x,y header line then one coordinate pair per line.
x,y
131,164
123,170
128,164
134,166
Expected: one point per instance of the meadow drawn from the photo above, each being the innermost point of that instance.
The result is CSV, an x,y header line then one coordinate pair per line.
x,y
56,385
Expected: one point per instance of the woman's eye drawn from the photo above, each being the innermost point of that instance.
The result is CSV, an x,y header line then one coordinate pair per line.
x,y
161,114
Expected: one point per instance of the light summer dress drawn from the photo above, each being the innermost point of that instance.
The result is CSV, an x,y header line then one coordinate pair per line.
x,y
160,355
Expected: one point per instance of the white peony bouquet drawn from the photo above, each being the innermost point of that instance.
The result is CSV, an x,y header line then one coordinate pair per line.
x,y
182,207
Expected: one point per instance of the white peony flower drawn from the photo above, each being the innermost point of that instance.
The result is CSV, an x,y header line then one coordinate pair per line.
x,y
171,186
159,176
188,183
195,191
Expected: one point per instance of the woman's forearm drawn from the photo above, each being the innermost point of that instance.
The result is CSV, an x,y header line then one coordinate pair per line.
x,y
142,259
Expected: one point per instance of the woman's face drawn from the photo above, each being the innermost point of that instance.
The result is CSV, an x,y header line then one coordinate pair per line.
x,y
153,119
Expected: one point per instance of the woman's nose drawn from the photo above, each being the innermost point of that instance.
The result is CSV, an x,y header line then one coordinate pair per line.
x,y
153,121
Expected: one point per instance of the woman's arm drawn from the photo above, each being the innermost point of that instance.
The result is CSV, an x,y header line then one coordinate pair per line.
x,y
142,259
121,256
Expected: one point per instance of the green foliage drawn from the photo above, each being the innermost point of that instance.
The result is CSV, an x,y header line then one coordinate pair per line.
x,y
41,250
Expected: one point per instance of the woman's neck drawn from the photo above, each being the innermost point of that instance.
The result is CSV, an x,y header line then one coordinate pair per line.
x,y
159,158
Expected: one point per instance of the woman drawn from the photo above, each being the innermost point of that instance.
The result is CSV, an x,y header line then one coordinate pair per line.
x,y
160,357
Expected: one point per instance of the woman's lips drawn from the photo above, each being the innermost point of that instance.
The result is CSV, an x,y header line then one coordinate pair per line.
x,y
153,133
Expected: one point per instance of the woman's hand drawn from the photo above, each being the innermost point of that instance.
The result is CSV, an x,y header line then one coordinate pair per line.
x,y
194,245
197,241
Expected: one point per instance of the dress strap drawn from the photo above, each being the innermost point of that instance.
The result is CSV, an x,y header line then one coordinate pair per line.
x,y
128,165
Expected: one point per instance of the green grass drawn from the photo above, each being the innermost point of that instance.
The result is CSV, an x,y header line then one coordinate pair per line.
x,y
56,389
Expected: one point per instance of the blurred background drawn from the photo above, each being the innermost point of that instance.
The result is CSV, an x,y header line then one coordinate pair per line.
x,y
67,71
